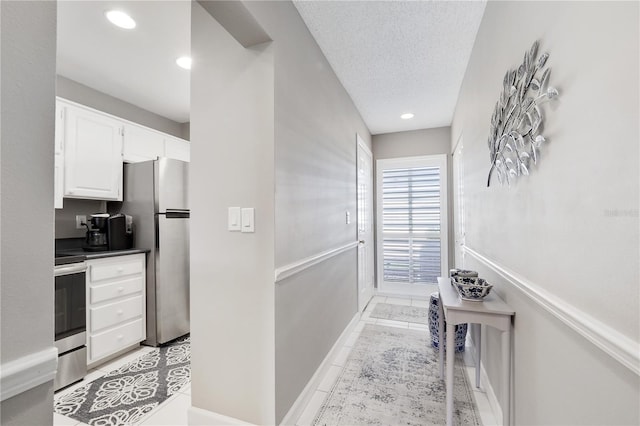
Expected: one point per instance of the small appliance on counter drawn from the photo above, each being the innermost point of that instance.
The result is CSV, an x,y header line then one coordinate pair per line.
x,y
109,232
97,233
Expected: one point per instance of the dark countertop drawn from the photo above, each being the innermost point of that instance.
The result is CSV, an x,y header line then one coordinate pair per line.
x,y
99,254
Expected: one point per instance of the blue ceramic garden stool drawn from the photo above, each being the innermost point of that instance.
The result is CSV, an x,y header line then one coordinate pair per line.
x,y
434,314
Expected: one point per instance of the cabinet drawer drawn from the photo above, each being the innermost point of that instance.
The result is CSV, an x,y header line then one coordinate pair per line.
x,y
120,267
112,341
120,288
115,313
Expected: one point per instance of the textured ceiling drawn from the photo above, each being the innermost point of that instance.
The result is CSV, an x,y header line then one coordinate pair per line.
x,y
137,66
394,57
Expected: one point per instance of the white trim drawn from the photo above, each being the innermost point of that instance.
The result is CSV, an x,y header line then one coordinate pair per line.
x,y
609,340
200,417
485,384
491,395
27,372
303,399
299,266
364,146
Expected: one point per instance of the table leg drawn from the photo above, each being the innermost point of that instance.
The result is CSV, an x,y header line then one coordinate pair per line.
x,y
451,350
506,377
478,345
441,338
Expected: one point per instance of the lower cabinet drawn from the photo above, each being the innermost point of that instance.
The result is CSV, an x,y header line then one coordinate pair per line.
x,y
115,305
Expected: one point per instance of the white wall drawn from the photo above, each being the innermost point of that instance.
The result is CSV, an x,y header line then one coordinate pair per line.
x,y
569,231
232,297
26,210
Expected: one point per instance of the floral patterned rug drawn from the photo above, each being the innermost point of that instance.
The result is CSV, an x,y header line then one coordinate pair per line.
x,y
125,395
391,378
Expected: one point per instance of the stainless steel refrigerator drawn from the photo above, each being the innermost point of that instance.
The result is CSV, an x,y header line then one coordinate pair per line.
x,y
156,196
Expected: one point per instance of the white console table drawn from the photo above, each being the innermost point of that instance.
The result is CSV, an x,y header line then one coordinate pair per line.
x,y
491,311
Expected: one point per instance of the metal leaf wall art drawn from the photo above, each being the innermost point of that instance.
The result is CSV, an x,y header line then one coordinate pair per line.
x,y
516,123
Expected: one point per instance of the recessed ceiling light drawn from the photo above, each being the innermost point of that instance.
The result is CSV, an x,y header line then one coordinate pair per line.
x,y
184,62
406,116
121,19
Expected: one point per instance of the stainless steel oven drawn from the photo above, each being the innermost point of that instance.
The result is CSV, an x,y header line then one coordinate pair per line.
x,y
70,319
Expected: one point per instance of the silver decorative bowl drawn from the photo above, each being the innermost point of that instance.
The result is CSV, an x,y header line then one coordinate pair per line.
x,y
471,288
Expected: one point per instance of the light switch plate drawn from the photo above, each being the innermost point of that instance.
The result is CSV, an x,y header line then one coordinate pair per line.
x,y
234,219
248,220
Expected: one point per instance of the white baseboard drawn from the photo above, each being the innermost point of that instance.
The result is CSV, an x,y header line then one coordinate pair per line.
x,y
491,395
27,372
485,384
199,417
305,396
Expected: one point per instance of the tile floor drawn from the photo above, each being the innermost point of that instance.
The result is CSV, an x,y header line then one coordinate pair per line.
x,y
309,413
173,411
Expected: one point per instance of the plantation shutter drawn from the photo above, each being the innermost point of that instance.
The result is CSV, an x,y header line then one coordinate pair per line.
x,y
411,224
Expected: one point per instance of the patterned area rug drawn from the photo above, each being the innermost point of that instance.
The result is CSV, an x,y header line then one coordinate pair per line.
x,y
391,378
401,313
125,395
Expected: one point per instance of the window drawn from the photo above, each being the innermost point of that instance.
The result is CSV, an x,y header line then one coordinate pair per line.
x,y
411,223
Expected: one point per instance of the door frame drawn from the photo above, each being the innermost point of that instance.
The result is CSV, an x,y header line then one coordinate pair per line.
x,y
365,297
404,289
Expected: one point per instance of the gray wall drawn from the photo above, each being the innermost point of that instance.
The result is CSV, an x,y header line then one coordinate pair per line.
x,y
66,217
28,47
315,183
309,176
571,229
232,297
412,144
85,95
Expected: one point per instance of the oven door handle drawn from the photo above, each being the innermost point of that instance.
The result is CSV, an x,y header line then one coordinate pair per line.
x,y
73,268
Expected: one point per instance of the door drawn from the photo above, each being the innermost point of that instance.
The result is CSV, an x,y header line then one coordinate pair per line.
x,y
172,276
458,216
365,225
92,155
411,224
172,185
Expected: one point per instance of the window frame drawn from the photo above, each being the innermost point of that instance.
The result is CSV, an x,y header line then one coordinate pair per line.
x,y
437,160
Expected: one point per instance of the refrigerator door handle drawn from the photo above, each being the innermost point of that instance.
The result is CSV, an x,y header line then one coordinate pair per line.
x,y
176,214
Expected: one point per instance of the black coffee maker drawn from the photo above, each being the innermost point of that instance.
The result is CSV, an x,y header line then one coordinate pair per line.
x,y
97,239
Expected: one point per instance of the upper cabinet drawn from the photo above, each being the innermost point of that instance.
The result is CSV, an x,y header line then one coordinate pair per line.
x,y
176,148
90,147
141,144
92,155
58,178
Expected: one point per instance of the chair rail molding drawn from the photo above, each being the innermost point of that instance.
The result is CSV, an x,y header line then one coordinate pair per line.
x,y
27,372
299,266
620,347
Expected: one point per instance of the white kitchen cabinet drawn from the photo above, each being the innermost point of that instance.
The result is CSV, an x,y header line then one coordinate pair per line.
x,y
142,144
92,154
116,316
177,148
58,164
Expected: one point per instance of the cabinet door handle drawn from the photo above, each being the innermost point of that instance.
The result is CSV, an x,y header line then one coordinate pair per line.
x,y
120,269
120,312
120,336
120,289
